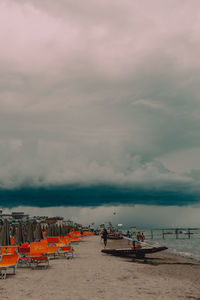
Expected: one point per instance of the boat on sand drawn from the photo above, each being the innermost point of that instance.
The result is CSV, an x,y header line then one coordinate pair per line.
x,y
135,252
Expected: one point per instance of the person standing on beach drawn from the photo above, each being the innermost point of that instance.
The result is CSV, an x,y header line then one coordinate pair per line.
x,y
142,237
105,236
138,236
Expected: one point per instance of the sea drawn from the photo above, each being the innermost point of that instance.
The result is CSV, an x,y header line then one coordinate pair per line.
x,y
177,244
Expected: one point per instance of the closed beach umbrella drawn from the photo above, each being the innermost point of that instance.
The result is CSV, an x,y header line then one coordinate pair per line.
x,y
5,234
38,233
64,229
60,230
13,230
20,235
25,232
30,234
57,231
53,233
49,230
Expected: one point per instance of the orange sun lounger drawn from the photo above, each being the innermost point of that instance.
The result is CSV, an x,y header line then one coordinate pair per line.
x,y
56,251
34,255
38,255
58,246
58,241
8,261
74,239
24,258
8,250
52,251
67,251
53,239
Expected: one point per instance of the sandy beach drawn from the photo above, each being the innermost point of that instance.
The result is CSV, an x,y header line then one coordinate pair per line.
x,y
93,275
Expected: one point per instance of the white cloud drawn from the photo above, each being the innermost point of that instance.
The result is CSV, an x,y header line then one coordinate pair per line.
x,y
148,103
98,91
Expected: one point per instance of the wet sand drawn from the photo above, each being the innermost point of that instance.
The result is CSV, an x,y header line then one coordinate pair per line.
x,y
94,275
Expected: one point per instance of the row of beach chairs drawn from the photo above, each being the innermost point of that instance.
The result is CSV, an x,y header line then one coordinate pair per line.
x,y
37,253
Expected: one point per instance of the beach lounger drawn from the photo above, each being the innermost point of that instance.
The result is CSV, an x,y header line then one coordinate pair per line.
x,y
85,233
65,240
38,248
58,246
8,261
66,251
39,261
74,236
57,241
44,241
24,251
33,256
59,251
25,245
8,250
38,255
52,251
53,239
24,259
74,239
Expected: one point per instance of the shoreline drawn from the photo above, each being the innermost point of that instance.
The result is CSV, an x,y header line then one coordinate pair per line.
x,y
95,275
173,251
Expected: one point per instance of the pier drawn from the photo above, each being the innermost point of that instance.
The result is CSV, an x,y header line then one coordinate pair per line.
x,y
177,233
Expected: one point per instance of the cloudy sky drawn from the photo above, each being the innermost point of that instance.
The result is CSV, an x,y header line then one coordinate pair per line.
x,y
98,92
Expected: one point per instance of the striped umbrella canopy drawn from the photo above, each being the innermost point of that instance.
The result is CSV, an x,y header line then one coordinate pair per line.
x,y
5,234
38,233
30,233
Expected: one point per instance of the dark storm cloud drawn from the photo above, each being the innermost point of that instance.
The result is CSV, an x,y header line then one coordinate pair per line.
x,y
95,196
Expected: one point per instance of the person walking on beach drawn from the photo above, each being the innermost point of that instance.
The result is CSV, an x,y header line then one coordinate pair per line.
x,y
105,236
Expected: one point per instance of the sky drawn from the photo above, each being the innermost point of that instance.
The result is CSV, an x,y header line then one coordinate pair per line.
x,y
100,94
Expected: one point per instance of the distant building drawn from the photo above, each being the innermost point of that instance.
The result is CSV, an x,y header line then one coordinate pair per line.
x,y
19,216
14,217
52,220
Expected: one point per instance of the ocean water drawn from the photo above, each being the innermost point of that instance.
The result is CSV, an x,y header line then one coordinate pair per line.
x,y
179,246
